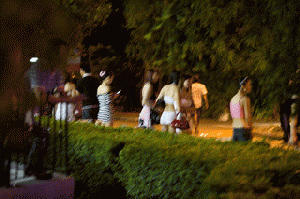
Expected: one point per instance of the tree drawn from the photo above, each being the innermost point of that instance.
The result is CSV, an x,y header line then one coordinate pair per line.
x,y
89,14
221,39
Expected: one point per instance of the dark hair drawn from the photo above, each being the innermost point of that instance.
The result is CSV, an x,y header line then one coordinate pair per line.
x,y
196,78
244,80
186,76
105,74
85,67
164,79
74,80
174,77
67,77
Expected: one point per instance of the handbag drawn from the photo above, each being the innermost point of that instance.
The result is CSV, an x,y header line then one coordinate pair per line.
x,y
160,103
182,124
154,117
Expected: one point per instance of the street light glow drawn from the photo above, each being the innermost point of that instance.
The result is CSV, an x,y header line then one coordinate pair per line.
x,y
33,59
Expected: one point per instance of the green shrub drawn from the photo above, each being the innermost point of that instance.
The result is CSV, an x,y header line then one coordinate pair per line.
x,y
153,164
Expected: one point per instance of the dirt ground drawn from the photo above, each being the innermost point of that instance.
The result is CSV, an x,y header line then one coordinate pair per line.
x,y
263,131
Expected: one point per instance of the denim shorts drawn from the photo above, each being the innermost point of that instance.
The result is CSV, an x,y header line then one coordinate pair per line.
x,y
241,134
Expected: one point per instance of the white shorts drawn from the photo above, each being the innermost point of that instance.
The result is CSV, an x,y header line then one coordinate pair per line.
x,y
144,117
167,117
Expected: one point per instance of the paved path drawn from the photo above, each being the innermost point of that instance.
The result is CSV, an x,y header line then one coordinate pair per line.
x,y
207,128
270,132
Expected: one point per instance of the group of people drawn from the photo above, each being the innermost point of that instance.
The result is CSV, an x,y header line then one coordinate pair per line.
x,y
183,96
96,103
186,101
179,101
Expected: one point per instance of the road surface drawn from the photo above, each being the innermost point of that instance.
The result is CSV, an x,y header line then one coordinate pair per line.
x,y
207,128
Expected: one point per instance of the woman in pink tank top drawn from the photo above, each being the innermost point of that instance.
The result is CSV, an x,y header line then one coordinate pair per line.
x,y
240,110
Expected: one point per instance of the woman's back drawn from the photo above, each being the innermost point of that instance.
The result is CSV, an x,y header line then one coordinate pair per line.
x,y
171,90
170,94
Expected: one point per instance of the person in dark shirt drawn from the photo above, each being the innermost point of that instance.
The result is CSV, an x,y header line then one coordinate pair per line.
x,y
88,86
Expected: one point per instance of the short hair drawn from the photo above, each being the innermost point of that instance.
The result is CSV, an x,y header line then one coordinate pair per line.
x,y
85,67
74,80
196,78
174,77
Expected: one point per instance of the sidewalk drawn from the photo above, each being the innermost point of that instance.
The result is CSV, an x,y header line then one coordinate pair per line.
x,y
207,127
133,117
126,116
269,131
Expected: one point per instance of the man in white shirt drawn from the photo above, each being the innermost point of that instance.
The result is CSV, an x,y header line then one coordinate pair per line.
x,y
199,91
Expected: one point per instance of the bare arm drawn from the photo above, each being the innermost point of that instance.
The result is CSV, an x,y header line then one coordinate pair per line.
x,y
146,92
177,100
206,101
247,111
161,94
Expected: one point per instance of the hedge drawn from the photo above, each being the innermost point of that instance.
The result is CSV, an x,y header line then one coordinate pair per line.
x,y
153,164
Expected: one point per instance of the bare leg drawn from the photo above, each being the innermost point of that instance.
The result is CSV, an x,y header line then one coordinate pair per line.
x,y
164,128
109,124
85,120
196,122
191,123
293,133
294,120
97,122
170,129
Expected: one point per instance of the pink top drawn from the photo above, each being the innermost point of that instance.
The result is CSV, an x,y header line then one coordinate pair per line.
x,y
236,110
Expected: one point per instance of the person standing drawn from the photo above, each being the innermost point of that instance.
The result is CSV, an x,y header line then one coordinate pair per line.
x,y
147,90
199,91
88,86
67,90
105,99
155,85
240,110
186,102
43,79
170,94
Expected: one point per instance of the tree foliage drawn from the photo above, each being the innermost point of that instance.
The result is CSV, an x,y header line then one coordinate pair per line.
x,y
88,13
222,40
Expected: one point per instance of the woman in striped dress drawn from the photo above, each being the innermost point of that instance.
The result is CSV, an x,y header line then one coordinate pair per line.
x,y
105,98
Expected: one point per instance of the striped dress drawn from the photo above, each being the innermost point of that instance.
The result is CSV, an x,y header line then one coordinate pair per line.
x,y
105,112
